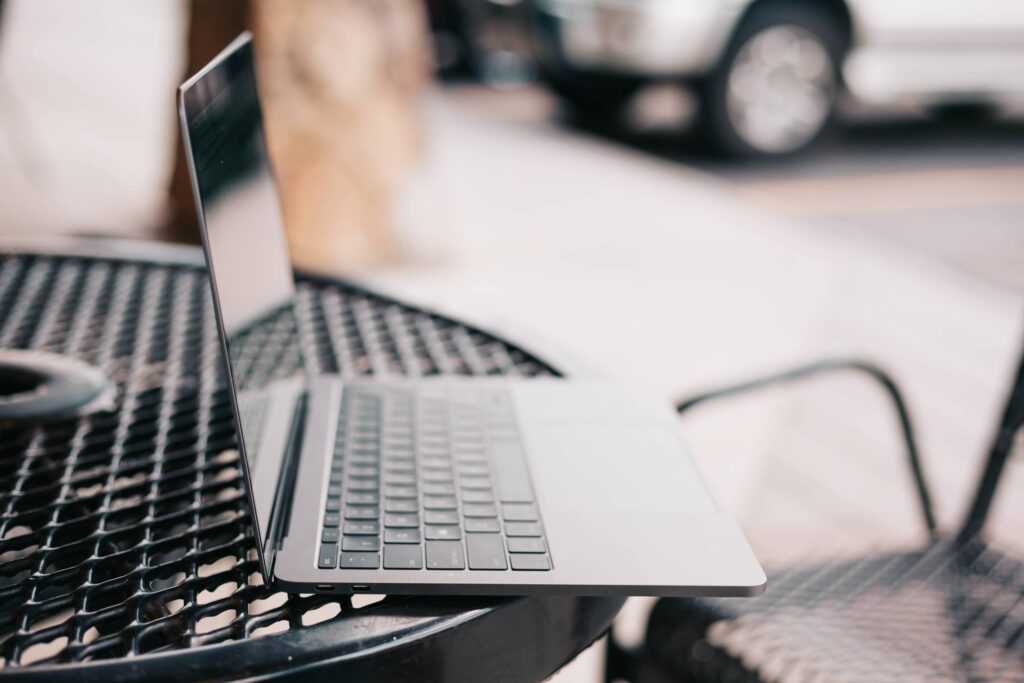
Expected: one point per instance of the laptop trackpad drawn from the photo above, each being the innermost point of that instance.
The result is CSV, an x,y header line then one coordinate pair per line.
x,y
616,468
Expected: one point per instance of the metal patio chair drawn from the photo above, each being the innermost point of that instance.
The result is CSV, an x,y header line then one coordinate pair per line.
x,y
952,610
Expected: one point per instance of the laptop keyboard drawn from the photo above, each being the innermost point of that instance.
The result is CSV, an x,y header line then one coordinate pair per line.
x,y
430,479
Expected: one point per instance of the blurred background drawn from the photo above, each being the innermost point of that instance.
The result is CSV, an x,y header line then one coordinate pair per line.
x,y
682,192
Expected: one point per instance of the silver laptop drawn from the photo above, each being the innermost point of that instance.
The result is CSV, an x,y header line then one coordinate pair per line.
x,y
470,486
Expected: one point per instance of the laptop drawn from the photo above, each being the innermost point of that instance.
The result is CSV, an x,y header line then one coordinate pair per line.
x,y
440,485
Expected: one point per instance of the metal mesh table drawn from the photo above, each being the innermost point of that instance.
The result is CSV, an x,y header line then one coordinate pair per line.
x,y
125,549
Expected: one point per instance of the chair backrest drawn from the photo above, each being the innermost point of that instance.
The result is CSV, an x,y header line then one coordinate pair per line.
x,y
999,452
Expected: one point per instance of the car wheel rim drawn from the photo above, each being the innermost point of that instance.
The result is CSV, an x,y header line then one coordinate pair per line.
x,y
780,89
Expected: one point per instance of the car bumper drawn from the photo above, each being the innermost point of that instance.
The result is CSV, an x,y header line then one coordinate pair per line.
x,y
648,38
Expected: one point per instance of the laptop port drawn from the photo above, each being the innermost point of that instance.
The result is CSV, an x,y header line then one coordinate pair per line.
x,y
324,588
360,588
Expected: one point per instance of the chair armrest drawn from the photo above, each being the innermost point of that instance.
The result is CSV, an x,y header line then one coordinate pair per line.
x,y
829,365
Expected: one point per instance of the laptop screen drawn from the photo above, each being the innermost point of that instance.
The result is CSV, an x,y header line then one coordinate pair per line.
x,y
243,232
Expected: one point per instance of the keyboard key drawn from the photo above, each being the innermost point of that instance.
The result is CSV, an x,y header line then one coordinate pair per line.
x,y
485,551
435,463
477,497
330,535
519,512
402,536
437,476
328,556
359,560
363,485
403,557
474,470
480,525
463,463
481,483
441,517
439,503
522,529
363,472
529,563
401,505
333,505
332,519
362,499
361,513
402,521
399,479
479,510
513,479
436,532
360,543
361,528
446,555
430,489
399,449
400,492
527,545
333,491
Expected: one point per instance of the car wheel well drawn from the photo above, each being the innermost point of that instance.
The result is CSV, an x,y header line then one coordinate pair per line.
x,y
837,10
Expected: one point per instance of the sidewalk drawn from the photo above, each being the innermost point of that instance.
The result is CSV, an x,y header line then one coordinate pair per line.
x,y
662,276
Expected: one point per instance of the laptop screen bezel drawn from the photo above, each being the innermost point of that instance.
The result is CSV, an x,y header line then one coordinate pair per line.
x,y
237,55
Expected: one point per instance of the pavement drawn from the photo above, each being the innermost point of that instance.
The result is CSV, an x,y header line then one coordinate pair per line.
x,y
680,278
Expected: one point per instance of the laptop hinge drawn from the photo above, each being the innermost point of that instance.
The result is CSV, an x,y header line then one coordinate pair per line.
x,y
280,513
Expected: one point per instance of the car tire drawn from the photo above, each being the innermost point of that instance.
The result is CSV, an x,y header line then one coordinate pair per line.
x,y
589,98
760,101
971,113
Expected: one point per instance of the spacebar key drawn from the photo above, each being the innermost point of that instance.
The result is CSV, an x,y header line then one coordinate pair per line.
x,y
513,479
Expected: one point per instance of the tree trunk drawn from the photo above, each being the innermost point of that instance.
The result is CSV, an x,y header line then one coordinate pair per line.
x,y
339,80
212,25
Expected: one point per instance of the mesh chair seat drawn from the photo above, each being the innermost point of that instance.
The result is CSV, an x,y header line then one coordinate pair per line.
x,y
952,610
946,612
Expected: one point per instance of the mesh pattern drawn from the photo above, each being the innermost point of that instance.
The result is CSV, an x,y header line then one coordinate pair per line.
x,y
944,613
126,532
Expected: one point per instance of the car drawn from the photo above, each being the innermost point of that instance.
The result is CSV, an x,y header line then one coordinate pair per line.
x,y
487,40
769,73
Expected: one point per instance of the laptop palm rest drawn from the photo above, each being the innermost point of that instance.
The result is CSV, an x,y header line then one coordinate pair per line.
x,y
614,468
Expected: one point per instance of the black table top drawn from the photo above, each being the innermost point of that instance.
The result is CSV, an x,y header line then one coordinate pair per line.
x,y
125,549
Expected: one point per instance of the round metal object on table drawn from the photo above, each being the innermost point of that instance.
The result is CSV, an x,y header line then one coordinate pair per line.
x,y
37,385
125,550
